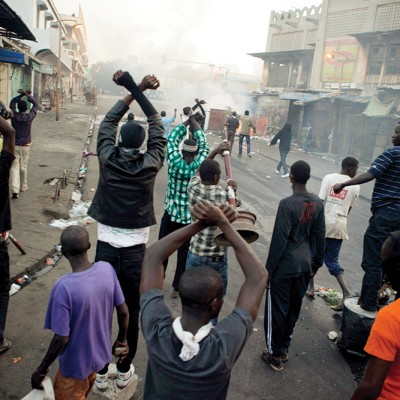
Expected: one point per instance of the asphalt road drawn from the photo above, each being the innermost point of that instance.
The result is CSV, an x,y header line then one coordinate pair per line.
x,y
316,368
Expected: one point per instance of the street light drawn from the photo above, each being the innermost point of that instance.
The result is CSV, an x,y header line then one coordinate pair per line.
x,y
331,55
226,73
58,81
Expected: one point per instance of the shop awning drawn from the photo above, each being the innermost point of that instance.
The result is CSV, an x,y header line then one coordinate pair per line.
x,y
11,24
12,57
377,108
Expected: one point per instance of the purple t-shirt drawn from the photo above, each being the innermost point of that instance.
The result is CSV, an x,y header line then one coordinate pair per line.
x,y
81,306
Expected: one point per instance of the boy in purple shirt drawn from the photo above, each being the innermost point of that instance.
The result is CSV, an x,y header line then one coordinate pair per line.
x,y
80,315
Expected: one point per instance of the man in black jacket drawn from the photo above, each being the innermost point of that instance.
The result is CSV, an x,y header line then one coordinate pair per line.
x,y
231,126
284,136
6,159
123,203
299,221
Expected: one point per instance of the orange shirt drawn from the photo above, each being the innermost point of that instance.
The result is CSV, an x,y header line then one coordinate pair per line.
x,y
384,343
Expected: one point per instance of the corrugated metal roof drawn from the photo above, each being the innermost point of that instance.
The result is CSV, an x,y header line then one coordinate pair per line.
x,y
11,24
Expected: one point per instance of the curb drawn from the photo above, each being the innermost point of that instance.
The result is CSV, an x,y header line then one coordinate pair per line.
x,y
50,259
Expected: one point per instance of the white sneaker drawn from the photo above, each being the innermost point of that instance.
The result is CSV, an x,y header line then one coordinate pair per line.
x,y
123,378
285,175
276,171
101,381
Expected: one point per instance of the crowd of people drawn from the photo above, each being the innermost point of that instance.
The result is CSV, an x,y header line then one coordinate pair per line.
x,y
192,356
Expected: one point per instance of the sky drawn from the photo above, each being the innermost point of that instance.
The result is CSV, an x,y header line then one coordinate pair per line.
x,y
219,32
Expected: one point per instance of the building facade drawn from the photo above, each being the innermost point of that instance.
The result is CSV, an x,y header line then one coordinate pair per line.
x,y
337,65
57,35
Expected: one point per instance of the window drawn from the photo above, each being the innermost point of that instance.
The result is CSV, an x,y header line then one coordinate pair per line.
x,y
393,62
375,60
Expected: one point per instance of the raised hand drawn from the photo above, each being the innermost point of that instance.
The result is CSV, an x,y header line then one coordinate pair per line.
x,y
213,215
198,116
123,79
229,211
149,82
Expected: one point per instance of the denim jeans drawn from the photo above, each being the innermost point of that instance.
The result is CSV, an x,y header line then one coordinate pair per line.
x,y
241,137
4,286
282,163
380,225
168,226
127,262
331,256
218,264
286,297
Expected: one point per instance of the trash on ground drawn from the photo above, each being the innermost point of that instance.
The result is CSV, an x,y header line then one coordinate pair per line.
x,y
14,289
62,223
332,335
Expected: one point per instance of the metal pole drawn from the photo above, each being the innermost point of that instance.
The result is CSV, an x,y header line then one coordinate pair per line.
x,y
340,78
58,76
73,77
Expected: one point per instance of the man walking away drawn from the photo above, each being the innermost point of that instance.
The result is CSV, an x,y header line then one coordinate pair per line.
x,y
6,160
337,208
123,203
22,123
285,137
80,314
299,221
231,126
187,358
385,208
246,124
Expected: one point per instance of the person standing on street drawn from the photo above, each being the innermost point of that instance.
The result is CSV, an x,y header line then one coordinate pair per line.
x,y
385,208
308,138
299,222
382,379
181,168
22,123
167,122
6,159
80,314
246,124
123,202
337,208
231,126
188,358
285,137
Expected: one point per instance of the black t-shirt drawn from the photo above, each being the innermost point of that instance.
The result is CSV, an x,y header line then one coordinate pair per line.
x,y
6,160
299,221
232,124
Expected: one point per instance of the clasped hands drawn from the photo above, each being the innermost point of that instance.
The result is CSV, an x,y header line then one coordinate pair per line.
x,y
125,79
210,214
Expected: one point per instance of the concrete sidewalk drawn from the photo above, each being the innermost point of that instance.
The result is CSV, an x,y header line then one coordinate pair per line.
x,y
56,147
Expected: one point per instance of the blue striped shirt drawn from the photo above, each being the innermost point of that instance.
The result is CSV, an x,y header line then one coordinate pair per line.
x,y
386,170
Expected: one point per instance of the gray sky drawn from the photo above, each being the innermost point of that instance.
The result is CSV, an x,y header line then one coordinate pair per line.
x,y
211,31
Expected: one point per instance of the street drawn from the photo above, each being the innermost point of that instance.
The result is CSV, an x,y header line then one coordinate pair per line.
x,y
315,368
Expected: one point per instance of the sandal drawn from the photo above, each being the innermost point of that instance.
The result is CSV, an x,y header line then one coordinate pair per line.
x,y
339,307
310,294
5,345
